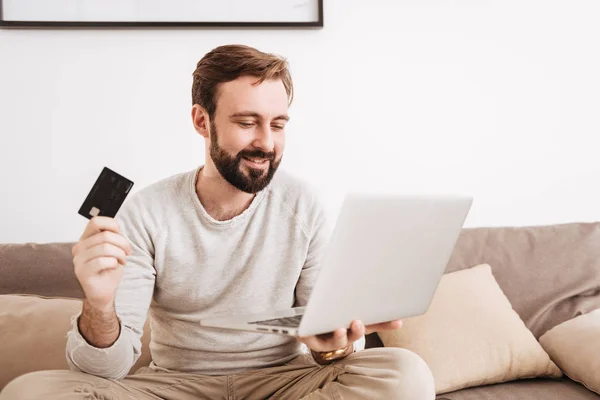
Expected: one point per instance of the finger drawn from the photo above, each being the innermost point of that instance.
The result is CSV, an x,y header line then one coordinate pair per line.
x,y
392,325
312,342
100,264
104,237
103,250
327,342
357,330
384,326
340,338
99,224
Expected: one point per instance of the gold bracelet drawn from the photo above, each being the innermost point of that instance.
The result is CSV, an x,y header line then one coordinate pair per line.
x,y
332,355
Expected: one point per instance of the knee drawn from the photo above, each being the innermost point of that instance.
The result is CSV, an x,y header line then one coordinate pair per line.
x,y
412,376
27,386
51,384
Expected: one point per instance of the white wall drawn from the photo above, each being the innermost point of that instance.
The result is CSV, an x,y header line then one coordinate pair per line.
x,y
495,98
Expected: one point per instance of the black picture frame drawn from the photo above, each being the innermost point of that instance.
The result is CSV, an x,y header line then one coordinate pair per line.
x,y
166,24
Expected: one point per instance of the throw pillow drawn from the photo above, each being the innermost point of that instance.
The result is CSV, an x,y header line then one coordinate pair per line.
x,y
574,346
471,336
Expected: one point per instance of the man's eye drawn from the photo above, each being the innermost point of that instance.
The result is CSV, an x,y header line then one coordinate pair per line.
x,y
245,124
278,127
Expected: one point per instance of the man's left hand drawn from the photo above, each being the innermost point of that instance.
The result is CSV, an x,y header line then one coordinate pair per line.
x,y
342,337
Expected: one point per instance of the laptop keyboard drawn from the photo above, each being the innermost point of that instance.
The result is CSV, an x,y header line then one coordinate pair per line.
x,y
292,322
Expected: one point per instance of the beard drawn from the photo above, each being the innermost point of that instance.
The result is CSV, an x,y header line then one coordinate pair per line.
x,y
230,169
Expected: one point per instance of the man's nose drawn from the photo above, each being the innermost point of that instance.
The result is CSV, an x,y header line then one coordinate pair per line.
x,y
264,139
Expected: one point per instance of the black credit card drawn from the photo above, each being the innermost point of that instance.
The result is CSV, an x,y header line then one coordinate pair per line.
x,y
107,195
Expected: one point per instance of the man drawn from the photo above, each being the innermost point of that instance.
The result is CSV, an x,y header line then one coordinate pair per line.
x,y
227,237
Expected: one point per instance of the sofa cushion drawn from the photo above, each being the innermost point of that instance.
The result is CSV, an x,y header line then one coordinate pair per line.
x,y
549,273
34,330
574,346
529,389
42,269
471,336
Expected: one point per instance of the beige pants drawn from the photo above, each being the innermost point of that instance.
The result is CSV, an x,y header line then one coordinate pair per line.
x,y
381,373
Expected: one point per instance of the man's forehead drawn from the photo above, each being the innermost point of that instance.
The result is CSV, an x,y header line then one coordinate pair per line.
x,y
244,93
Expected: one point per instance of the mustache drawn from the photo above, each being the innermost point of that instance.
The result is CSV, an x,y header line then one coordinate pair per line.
x,y
257,154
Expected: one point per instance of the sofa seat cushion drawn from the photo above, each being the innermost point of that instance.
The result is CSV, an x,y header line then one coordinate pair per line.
x,y
531,389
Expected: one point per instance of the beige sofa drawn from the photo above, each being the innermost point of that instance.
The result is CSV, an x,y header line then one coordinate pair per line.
x,y
550,274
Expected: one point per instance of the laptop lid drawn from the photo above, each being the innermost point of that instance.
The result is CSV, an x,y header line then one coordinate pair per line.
x,y
385,259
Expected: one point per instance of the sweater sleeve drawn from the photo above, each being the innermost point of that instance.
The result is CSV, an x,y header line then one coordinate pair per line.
x,y
132,302
318,240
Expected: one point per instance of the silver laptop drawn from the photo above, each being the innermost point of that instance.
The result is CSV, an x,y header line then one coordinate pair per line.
x,y
384,262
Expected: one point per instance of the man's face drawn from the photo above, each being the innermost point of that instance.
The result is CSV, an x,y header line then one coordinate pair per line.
x,y
247,134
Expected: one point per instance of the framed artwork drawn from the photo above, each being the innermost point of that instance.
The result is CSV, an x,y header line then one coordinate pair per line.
x,y
161,13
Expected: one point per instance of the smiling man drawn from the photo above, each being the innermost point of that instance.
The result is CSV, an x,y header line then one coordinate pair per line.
x,y
233,235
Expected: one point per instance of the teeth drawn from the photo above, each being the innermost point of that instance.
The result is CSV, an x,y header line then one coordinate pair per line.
x,y
257,160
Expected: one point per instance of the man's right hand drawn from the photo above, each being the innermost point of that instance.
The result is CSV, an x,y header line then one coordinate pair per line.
x,y
99,258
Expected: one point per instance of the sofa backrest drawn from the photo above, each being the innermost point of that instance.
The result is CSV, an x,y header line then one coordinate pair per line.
x,y
549,273
41,269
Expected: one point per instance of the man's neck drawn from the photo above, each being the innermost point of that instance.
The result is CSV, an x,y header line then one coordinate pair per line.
x,y
220,199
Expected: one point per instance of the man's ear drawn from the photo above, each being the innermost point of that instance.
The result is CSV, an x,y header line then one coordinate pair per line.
x,y
201,120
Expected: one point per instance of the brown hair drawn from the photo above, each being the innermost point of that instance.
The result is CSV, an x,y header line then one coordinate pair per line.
x,y
227,63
